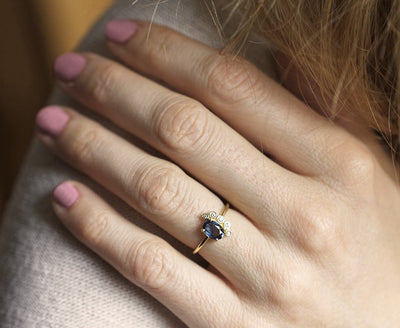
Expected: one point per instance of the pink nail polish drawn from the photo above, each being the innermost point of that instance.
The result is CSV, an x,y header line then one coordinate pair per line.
x,y
65,194
120,30
52,120
69,66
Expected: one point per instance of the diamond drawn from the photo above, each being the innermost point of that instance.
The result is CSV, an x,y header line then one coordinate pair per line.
x,y
213,215
205,216
227,233
220,218
227,225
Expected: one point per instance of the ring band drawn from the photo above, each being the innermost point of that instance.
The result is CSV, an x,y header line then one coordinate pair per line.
x,y
215,227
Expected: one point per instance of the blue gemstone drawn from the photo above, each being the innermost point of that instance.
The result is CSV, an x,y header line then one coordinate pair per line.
x,y
213,230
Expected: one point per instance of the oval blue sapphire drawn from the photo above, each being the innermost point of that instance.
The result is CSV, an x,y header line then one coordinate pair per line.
x,y
213,230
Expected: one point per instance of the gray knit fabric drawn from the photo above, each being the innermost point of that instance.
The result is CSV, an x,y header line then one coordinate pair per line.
x,y
47,278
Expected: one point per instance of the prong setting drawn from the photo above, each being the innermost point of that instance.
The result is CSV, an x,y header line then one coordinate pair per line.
x,y
215,226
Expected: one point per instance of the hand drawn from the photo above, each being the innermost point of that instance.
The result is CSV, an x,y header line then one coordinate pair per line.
x,y
315,226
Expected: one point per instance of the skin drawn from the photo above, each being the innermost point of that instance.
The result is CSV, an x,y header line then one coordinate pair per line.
x,y
314,225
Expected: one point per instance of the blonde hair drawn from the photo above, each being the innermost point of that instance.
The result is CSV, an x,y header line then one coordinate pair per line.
x,y
350,48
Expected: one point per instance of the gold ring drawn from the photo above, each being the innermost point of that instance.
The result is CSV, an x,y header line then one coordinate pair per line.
x,y
215,227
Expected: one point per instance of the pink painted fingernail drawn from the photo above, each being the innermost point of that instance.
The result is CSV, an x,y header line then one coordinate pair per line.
x,y
120,30
69,66
66,194
52,120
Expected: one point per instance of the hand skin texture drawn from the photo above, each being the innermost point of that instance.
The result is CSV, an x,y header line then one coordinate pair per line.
x,y
315,225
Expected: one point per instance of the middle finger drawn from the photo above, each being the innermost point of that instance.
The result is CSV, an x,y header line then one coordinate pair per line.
x,y
184,130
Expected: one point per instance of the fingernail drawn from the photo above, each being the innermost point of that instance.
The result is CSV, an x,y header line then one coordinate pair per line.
x,y
65,194
52,120
69,66
120,30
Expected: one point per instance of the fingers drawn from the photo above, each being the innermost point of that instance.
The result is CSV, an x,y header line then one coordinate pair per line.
x,y
154,187
144,259
181,128
260,109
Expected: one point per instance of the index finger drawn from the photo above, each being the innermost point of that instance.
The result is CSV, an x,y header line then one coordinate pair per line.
x,y
263,111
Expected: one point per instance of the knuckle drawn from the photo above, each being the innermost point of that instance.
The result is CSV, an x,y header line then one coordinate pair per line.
x,y
297,283
231,79
358,162
161,190
182,125
93,228
102,84
83,144
317,232
152,265
355,163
